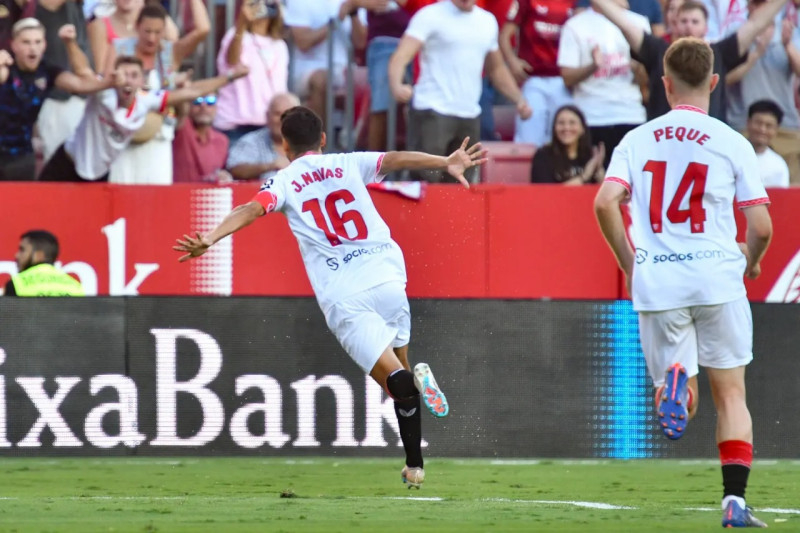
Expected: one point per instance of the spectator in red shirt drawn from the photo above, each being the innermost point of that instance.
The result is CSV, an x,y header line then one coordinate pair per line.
x,y
199,151
539,24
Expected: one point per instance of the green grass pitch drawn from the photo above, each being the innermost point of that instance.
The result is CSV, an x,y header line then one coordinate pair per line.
x,y
332,495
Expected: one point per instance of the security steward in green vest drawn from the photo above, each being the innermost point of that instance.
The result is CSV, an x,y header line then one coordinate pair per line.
x,y
38,250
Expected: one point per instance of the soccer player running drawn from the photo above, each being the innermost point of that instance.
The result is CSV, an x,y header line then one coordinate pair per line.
x,y
681,173
356,270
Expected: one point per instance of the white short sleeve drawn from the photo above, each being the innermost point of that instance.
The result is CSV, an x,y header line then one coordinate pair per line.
x,y
297,13
369,166
155,100
749,187
569,49
421,25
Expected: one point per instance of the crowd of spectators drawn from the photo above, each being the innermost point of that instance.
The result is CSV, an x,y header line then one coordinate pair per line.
x,y
106,90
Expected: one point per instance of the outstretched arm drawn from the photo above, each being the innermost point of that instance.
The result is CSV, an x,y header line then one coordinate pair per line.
x,y
240,217
761,18
455,164
5,62
619,17
207,86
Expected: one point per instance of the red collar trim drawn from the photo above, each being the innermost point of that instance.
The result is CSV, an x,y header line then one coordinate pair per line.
x,y
308,153
690,108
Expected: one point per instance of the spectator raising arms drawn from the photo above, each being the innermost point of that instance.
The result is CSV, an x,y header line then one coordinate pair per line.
x,y
121,24
25,81
570,158
256,42
149,159
260,154
114,115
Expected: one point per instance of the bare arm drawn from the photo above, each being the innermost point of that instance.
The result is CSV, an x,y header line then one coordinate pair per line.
x,y
609,217
406,50
186,45
249,171
573,76
455,164
755,24
98,41
240,217
243,21
618,15
306,38
78,61
519,68
504,82
358,30
759,235
206,86
735,76
787,33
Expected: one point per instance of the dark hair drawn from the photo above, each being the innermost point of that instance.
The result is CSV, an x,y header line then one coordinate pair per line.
x,y
691,5
302,129
152,11
128,60
43,241
689,60
561,161
766,106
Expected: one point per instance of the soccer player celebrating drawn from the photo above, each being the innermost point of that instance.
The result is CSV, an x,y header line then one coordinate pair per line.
x,y
681,173
356,270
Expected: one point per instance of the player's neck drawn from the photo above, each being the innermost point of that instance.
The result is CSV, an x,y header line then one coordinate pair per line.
x,y
700,102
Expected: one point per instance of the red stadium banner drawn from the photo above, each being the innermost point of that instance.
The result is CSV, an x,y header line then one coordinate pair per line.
x,y
490,241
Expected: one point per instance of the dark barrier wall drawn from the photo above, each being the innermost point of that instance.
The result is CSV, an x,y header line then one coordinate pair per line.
x,y
263,376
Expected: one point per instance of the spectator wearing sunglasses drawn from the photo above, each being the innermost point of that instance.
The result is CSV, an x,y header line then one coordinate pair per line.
x,y
198,150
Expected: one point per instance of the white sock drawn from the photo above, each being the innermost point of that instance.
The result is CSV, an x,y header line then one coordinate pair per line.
x,y
727,499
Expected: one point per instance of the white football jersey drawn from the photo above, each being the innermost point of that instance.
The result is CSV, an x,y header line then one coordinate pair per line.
x,y
346,246
684,170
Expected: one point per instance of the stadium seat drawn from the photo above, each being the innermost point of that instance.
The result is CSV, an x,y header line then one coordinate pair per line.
x,y
508,162
504,116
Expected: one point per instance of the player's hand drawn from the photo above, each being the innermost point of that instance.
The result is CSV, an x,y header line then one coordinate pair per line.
x,y
463,158
752,271
524,109
195,246
67,33
403,93
520,69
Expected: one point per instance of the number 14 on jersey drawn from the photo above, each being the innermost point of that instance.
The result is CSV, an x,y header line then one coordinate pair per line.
x,y
694,177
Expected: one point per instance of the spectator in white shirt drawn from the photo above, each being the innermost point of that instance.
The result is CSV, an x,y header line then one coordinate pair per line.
x,y
455,40
308,24
764,119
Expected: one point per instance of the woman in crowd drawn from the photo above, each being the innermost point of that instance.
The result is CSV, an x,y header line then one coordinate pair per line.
x,y
569,158
120,24
256,41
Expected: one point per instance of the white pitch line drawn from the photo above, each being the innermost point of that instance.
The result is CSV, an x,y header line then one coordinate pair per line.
x,y
588,505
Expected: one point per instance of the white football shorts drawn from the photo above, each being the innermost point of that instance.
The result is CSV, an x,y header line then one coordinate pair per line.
x,y
712,336
369,321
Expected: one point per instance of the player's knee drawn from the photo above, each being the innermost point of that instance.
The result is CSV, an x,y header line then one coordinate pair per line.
x,y
400,385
